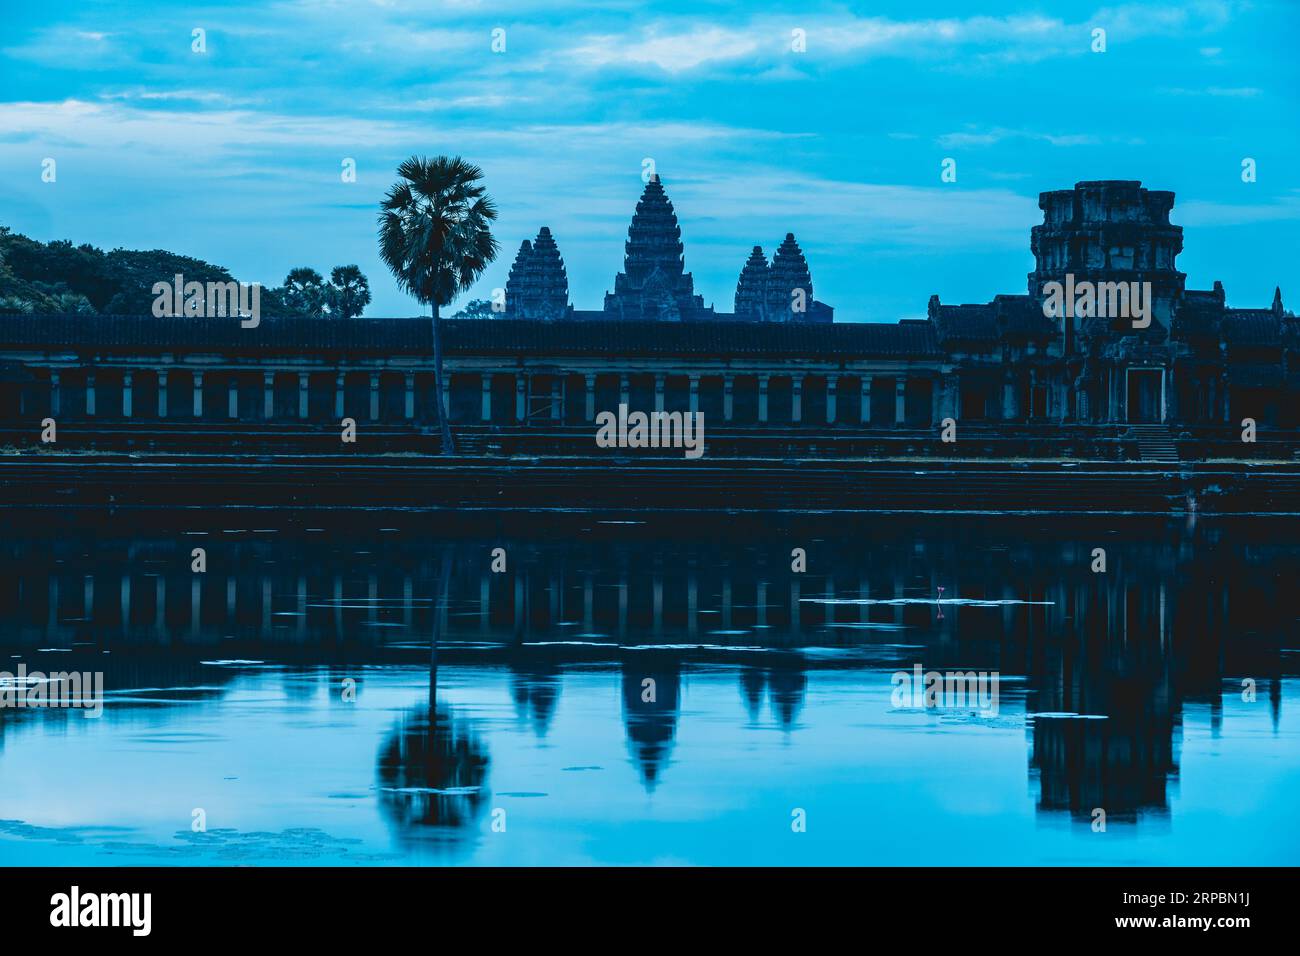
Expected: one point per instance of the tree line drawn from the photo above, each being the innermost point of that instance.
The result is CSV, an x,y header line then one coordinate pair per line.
x,y
52,278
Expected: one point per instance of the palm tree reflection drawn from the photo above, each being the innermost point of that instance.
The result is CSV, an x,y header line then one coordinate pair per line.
x,y
433,769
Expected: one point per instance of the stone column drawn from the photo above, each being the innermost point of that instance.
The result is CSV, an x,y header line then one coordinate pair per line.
x,y
659,393
232,396
694,405
446,393
486,411
304,393
762,399
796,399
624,389
162,397
521,397
90,396
728,396
409,409
832,384
338,395
1009,411
268,395
127,394
374,396
866,401
900,400
557,399
590,410
198,394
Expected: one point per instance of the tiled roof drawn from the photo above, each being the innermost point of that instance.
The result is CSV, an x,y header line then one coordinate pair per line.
x,y
466,336
967,323
1252,327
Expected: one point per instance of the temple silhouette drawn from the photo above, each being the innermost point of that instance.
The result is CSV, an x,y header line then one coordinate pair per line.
x,y
654,284
771,380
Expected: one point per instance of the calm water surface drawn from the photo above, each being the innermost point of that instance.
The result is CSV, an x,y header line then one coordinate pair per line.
x,y
529,738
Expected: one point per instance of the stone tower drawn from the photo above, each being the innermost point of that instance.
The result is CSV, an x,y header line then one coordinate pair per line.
x,y
751,288
789,273
1109,230
538,286
654,284
516,280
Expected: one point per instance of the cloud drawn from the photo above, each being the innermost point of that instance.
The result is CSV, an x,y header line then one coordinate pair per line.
x,y
998,134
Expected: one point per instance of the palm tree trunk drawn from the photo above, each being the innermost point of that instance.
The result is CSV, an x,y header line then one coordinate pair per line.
x,y
444,427
439,602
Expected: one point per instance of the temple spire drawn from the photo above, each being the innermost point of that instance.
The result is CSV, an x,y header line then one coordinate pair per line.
x,y
538,285
654,284
751,288
516,281
789,283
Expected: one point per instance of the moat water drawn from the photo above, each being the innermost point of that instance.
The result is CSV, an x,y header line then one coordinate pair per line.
x,y
661,691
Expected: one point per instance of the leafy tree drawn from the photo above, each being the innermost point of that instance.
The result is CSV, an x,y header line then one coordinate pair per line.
x,y
348,293
304,291
434,235
476,309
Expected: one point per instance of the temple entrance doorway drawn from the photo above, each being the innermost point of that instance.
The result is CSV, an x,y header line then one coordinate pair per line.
x,y
1146,395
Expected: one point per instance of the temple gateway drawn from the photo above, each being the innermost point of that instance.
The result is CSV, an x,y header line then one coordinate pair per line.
x,y
1198,367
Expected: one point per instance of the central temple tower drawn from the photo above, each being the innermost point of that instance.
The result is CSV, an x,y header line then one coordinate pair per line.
x,y
654,284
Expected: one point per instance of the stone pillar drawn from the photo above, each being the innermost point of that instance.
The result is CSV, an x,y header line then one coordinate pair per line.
x,y
304,393
694,406
409,409
659,393
557,399
232,396
796,399
590,411
1009,410
268,395
624,389
446,393
900,400
54,394
866,401
486,410
728,396
338,395
374,396
198,394
90,395
162,398
762,399
127,394
521,397
832,384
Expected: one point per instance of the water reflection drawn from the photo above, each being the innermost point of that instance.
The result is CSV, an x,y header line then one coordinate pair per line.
x,y
1101,666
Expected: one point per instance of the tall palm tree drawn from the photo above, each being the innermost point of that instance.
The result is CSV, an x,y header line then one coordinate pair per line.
x,y
434,236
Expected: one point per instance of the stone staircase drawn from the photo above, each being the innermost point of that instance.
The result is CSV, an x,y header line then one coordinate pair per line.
x,y
1155,443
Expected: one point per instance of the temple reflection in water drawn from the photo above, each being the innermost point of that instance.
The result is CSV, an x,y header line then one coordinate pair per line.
x,y
1180,616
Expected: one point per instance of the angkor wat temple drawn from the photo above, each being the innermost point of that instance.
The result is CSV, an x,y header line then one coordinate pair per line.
x,y
654,284
1192,370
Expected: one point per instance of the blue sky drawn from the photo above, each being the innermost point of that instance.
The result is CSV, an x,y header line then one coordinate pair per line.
x,y
234,155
